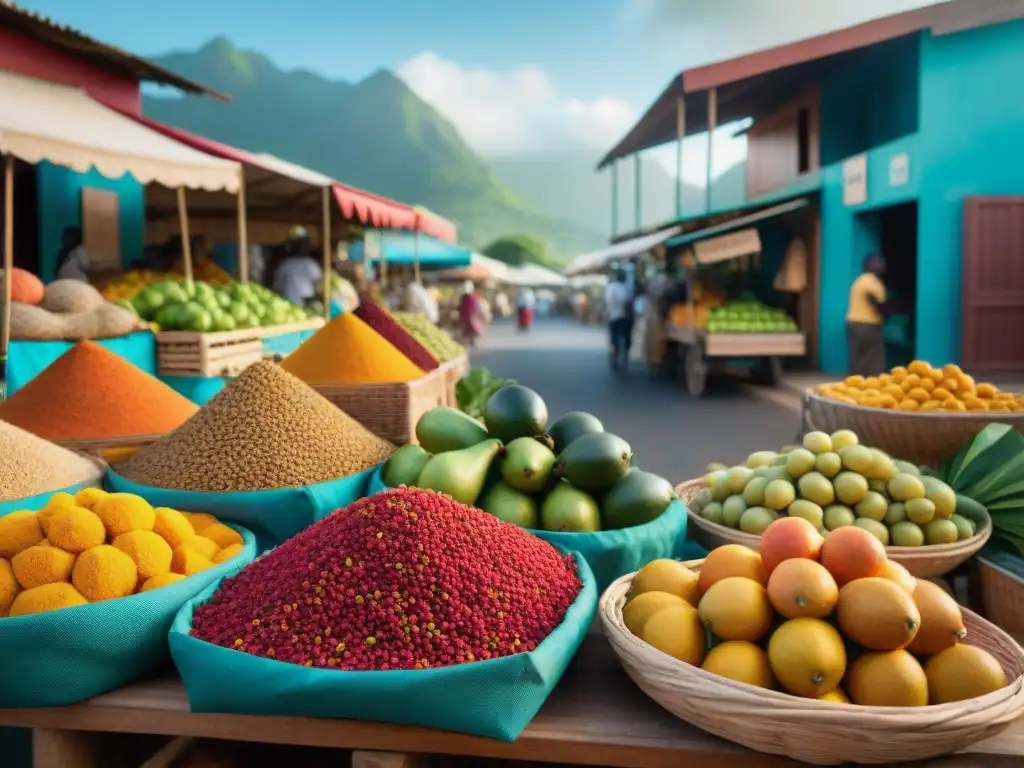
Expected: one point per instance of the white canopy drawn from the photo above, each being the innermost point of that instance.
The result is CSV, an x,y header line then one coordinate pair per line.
x,y
40,121
294,171
534,275
598,260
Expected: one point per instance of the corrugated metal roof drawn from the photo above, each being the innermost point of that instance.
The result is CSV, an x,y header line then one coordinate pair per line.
x,y
46,30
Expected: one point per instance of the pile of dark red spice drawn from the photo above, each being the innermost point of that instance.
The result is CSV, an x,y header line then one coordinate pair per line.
x,y
405,579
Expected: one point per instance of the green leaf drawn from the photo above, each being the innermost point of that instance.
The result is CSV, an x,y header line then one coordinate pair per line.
x,y
991,464
976,446
1014,539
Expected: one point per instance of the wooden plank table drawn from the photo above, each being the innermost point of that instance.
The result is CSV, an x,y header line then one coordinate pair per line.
x,y
596,716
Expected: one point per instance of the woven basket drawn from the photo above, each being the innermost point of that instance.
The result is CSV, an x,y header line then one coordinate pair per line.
x,y
452,371
810,730
1002,596
924,562
921,438
389,410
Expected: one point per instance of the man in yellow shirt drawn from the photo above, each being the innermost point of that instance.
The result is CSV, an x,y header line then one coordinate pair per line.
x,y
864,319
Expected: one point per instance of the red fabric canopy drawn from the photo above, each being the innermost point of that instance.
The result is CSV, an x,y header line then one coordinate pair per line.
x,y
373,210
435,226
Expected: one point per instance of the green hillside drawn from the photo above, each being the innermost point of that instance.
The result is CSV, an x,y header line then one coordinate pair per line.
x,y
375,134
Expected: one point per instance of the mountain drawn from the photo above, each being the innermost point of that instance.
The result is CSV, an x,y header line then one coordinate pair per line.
x,y
375,134
566,185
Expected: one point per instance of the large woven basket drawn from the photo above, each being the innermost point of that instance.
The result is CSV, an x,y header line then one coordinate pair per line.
x,y
389,410
810,730
452,371
924,562
922,438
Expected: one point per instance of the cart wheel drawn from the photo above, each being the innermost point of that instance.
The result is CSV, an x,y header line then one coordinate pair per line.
x,y
696,370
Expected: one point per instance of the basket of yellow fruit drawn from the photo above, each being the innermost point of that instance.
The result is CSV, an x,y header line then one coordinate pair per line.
x,y
834,482
918,412
823,650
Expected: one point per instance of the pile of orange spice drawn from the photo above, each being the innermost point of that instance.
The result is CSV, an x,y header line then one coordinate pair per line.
x,y
91,393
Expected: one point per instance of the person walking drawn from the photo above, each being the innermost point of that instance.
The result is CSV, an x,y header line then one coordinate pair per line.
x,y
526,300
471,315
864,318
618,312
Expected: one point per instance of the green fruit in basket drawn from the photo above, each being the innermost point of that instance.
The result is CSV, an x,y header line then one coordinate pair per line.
x,y
964,528
737,478
906,534
817,442
444,429
875,528
829,464
782,459
571,426
896,513
753,494
970,508
527,465
879,486
713,513
940,532
799,462
571,510
461,474
714,478
404,466
873,506
815,487
906,467
850,487
760,459
920,511
941,495
510,505
807,510
638,498
757,519
904,487
882,467
779,494
842,438
703,498
776,473
838,516
732,510
856,458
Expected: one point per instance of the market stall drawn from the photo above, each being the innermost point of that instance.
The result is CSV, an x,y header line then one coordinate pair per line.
x,y
410,251
717,332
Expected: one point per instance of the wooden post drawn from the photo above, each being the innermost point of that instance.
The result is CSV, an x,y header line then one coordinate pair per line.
x,y
615,197
382,260
243,230
637,202
712,124
5,338
325,236
680,134
186,240
416,257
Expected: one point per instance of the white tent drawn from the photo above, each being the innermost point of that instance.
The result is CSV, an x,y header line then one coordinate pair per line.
x,y
534,276
596,261
480,268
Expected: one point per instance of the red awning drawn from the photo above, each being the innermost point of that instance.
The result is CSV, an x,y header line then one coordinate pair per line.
x,y
203,144
435,226
373,210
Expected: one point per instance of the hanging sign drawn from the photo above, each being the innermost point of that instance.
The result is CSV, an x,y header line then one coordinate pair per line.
x,y
899,170
855,180
731,246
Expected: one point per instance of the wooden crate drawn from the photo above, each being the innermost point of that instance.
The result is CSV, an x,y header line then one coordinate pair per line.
x,y
211,355
755,344
270,331
452,371
1002,596
389,410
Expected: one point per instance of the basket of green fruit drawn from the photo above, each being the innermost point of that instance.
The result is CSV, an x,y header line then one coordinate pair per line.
x,y
833,481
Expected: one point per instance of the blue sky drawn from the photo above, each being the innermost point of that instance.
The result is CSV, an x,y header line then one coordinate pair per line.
x,y
514,76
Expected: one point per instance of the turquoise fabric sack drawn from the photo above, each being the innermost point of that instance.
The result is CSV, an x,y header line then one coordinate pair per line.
x,y
35,503
272,515
377,484
612,554
67,656
495,698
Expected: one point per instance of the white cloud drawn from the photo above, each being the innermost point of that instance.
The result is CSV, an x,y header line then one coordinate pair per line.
x,y
517,112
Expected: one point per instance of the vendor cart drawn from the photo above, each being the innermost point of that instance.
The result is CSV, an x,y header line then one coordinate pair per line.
x,y
703,352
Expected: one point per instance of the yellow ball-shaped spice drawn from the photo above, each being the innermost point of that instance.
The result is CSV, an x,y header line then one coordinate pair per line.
x,y
104,573
222,535
56,503
75,530
200,520
172,526
206,547
230,551
160,580
42,564
125,512
88,497
9,587
48,597
150,553
188,562
18,531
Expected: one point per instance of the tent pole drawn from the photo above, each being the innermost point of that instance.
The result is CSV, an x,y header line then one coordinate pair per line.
x,y
243,230
8,267
381,259
712,125
416,257
186,239
325,236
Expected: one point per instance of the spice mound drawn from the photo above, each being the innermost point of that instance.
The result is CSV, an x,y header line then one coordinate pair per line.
x,y
441,345
30,465
95,546
382,322
264,430
348,351
90,393
405,579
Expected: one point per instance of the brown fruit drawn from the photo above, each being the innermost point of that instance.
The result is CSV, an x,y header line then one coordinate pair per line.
x,y
802,589
887,679
942,623
851,553
878,614
729,561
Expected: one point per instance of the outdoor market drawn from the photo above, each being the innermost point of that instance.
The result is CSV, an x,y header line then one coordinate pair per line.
x,y
266,496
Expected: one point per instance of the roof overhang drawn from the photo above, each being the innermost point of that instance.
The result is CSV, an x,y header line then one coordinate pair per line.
x,y
597,261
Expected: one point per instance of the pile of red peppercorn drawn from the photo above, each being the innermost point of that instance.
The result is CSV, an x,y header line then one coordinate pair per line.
x,y
405,579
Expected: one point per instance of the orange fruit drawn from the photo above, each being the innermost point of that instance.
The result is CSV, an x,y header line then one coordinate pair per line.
x,y
878,614
801,588
887,679
895,572
852,553
728,561
942,623
787,538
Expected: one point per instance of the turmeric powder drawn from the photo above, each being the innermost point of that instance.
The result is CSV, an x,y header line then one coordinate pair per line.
x,y
348,351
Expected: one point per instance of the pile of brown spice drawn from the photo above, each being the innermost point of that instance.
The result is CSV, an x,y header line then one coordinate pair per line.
x,y
264,430
405,579
30,465
90,393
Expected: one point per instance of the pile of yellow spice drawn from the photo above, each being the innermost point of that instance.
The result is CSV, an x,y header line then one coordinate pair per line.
x,y
95,546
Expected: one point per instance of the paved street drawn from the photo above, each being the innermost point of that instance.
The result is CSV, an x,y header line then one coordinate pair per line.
x,y
671,433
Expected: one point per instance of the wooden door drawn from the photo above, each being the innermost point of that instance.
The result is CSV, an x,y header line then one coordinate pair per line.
x,y
993,284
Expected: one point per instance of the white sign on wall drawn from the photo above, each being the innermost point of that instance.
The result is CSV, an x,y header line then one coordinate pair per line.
x,y
899,170
855,180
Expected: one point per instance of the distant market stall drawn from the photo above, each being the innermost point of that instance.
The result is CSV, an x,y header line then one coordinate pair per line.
x,y
535,276
481,269
410,250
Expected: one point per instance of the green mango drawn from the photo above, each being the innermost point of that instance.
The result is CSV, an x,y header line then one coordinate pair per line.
x,y
448,429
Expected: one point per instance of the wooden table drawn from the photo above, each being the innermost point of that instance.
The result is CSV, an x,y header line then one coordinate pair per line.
x,y
596,716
